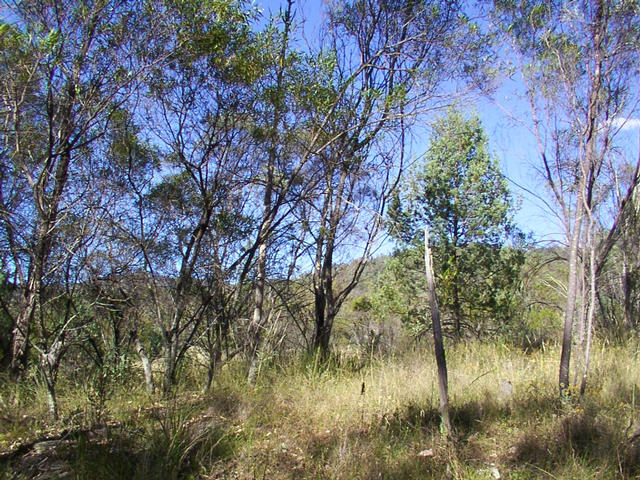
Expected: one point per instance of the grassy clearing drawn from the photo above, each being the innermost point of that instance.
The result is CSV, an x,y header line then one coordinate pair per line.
x,y
306,420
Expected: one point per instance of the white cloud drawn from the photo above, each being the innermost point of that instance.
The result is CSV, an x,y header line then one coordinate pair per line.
x,y
626,123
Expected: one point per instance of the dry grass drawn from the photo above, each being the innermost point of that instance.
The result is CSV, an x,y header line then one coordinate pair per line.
x,y
505,410
306,420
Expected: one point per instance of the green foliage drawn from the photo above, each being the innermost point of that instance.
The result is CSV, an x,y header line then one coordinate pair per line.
x,y
361,304
103,380
461,195
400,291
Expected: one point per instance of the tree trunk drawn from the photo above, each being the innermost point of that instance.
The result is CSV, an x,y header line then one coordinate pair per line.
x,y
627,291
169,369
20,332
588,166
441,360
591,313
258,310
52,401
146,364
49,363
269,213
325,317
215,356
572,293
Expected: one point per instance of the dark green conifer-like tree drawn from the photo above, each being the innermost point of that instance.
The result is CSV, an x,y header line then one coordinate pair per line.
x,y
459,192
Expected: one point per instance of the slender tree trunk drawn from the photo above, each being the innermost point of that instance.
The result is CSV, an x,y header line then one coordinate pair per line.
x,y
320,341
146,364
169,368
258,310
320,303
590,316
325,317
441,359
572,293
214,361
325,308
48,208
580,327
629,319
20,332
49,363
588,167
215,355
52,400
327,305
268,215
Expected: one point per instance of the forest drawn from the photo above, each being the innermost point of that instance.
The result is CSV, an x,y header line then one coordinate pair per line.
x,y
274,240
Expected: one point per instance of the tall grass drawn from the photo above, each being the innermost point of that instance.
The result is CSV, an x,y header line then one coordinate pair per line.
x,y
354,418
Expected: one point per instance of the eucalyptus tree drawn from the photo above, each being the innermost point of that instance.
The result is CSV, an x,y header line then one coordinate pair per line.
x,y
579,65
69,66
273,124
387,62
185,169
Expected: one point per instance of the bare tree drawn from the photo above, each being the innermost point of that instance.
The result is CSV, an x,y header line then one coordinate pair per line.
x,y
441,360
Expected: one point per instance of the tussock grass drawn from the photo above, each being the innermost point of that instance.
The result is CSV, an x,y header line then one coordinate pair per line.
x,y
307,419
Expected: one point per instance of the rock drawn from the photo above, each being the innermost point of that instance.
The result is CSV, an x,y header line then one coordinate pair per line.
x,y
48,445
493,471
426,453
506,389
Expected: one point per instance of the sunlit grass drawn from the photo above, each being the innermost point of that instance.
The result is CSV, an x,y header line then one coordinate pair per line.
x,y
310,419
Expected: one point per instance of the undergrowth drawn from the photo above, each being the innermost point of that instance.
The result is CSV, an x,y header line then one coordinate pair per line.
x,y
349,418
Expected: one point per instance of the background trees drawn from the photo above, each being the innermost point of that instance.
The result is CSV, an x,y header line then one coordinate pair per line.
x,y
69,68
386,63
179,180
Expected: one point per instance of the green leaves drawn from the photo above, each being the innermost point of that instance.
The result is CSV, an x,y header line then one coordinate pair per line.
x,y
50,42
460,193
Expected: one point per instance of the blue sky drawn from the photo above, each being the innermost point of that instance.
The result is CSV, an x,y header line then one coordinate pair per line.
x,y
504,117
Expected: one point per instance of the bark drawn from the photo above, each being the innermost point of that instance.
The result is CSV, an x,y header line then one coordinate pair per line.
x,y
258,311
20,332
146,364
441,360
321,329
590,317
587,168
326,302
572,291
215,355
325,318
47,197
48,211
269,212
52,400
49,363
170,365
627,291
